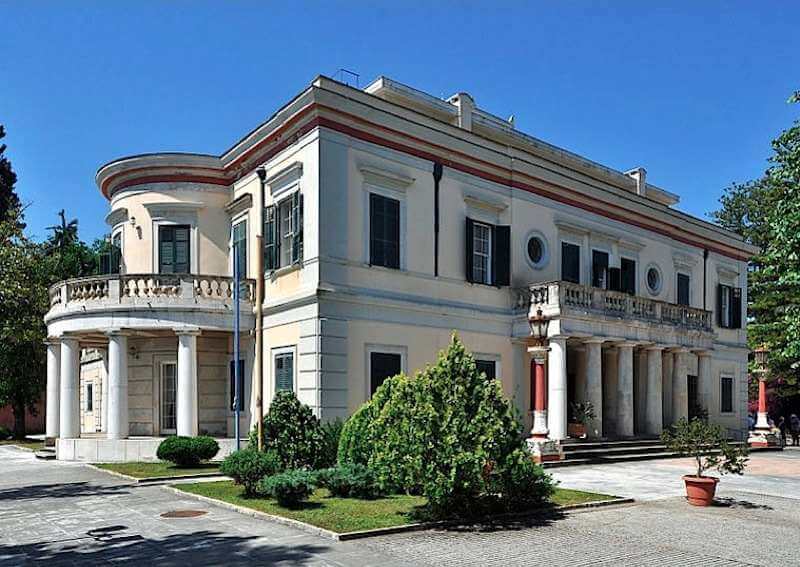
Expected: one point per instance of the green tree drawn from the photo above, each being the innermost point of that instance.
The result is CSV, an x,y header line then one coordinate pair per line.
x,y
24,300
766,213
9,201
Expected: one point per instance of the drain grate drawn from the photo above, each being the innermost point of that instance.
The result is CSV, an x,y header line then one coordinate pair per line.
x,y
183,513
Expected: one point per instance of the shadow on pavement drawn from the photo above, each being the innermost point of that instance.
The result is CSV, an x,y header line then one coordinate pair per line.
x,y
60,490
734,503
110,544
541,518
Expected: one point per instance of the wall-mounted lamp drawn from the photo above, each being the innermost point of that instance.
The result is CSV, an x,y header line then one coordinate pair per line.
x,y
132,221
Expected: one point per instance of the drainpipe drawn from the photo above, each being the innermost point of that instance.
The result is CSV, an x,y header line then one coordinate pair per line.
x,y
705,274
437,177
262,176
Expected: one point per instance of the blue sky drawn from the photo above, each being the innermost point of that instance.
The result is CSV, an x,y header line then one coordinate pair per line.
x,y
694,92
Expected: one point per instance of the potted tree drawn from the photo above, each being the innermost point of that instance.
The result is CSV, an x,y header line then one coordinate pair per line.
x,y
707,445
582,414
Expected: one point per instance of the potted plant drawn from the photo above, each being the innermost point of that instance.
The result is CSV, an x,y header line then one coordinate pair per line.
x,y
582,414
707,445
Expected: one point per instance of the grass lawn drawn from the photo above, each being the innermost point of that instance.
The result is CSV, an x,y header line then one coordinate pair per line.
x,y
27,443
348,514
150,470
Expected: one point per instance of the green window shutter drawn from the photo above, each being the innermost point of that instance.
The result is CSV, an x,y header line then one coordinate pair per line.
x,y
720,299
501,255
166,246
182,250
270,247
297,228
240,247
736,308
284,372
470,238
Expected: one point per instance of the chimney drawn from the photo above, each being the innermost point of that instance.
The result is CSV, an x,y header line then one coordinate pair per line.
x,y
466,105
639,174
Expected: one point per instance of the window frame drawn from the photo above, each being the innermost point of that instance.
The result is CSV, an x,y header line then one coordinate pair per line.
x,y
492,358
722,379
274,239
606,277
161,365
635,278
563,243
190,252
282,351
688,277
401,220
543,261
725,317
235,223
489,255
89,395
383,349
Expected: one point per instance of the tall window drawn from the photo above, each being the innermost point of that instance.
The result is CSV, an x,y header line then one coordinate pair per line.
x,y
481,253
173,246
570,262
232,382
729,306
283,233
89,396
284,371
726,394
384,231
683,289
599,269
383,365
168,395
239,242
627,268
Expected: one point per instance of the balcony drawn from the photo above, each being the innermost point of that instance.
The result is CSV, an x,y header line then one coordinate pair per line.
x,y
146,300
565,299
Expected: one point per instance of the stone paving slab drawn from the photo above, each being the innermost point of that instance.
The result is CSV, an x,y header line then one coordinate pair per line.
x,y
70,514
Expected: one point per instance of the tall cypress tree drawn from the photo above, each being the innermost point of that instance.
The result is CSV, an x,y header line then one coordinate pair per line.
x,y
9,201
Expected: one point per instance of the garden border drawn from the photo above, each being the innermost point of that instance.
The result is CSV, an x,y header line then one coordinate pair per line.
x,y
161,479
362,534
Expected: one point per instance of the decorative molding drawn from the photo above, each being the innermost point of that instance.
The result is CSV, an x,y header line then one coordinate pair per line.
x,y
727,272
284,179
490,205
565,226
685,261
117,216
166,209
239,205
385,178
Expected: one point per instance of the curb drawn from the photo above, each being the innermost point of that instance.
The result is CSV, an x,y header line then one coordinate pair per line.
x,y
363,534
158,479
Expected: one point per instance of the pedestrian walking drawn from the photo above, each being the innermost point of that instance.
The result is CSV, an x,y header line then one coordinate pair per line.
x,y
794,428
782,428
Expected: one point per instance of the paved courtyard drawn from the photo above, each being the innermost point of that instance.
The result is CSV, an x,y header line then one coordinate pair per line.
x,y
70,514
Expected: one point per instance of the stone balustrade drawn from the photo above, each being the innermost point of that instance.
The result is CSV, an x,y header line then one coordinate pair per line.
x,y
150,289
556,297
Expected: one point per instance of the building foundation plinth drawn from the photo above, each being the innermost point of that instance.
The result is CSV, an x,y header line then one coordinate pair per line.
x,y
762,436
540,446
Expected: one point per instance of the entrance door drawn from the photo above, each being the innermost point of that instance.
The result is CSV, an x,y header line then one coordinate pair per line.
x,y
169,387
695,409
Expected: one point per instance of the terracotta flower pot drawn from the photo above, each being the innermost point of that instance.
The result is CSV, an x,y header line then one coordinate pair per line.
x,y
700,490
576,430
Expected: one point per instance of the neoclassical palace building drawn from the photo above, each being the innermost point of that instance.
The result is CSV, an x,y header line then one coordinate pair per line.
x,y
370,224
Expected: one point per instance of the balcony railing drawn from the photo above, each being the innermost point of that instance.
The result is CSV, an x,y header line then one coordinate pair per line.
x,y
146,289
555,298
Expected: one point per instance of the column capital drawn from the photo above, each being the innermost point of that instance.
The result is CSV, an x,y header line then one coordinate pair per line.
x,y
679,350
703,353
190,331
52,341
627,344
594,340
117,332
655,347
538,353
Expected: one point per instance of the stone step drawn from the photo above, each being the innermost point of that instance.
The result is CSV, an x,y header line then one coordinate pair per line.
x,y
609,444
609,459
47,453
627,450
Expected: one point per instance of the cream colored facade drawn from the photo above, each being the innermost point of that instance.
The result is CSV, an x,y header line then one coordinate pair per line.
x,y
330,313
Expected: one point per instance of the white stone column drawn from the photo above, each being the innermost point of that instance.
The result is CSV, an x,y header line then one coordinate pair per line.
x,y
53,389
594,384
680,386
104,392
653,415
557,389
666,387
704,379
640,392
118,423
69,424
625,390
186,410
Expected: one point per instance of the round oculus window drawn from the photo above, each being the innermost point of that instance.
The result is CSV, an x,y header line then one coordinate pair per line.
x,y
653,279
535,249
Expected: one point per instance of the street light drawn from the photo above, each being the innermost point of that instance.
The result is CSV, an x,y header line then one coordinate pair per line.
x,y
760,355
538,324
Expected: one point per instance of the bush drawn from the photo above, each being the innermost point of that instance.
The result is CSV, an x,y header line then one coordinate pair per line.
x,y
330,434
289,488
247,467
436,433
707,445
521,483
292,431
187,451
350,481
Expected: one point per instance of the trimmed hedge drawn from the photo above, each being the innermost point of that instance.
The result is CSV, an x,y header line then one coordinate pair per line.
x,y
289,488
187,451
248,467
330,434
350,481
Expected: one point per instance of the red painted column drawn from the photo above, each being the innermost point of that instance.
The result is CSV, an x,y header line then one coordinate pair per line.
x,y
539,385
762,396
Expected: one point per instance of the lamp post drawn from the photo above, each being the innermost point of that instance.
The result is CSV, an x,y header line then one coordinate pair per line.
x,y
762,436
542,448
